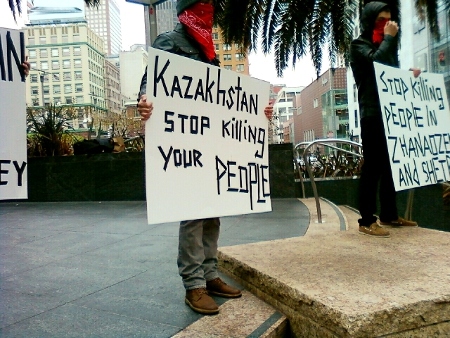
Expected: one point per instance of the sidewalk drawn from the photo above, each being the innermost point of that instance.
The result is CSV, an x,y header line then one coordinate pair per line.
x,y
90,269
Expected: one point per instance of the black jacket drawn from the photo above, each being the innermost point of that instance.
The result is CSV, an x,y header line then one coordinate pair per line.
x,y
362,55
177,42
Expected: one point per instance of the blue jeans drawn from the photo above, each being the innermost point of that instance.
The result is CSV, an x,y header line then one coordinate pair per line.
x,y
197,252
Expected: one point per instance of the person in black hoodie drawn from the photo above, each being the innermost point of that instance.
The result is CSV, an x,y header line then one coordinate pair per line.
x,y
197,245
377,42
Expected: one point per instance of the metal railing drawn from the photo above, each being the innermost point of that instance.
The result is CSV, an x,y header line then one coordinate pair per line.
x,y
326,143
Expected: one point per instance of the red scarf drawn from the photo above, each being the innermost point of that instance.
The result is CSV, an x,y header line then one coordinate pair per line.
x,y
198,20
378,32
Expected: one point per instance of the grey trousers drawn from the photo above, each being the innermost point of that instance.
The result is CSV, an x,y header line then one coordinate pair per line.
x,y
197,252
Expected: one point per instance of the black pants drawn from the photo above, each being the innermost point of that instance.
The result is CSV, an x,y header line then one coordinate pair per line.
x,y
376,171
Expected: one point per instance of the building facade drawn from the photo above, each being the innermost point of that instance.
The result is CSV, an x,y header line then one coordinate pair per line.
x,y
67,67
321,109
283,111
132,67
113,99
104,20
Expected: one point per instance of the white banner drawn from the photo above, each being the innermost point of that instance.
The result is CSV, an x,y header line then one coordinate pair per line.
x,y
206,148
13,144
417,124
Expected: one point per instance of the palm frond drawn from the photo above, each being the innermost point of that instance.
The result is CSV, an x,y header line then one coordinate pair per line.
x,y
292,28
15,5
92,3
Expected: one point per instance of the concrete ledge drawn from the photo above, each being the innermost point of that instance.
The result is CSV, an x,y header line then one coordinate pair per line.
x,y
247,316
343,284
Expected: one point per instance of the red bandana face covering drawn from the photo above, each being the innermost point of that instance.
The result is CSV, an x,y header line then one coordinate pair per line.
x,y
378,32
198,20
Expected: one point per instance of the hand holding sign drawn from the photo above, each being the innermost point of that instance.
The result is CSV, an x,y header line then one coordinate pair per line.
x,y
145,108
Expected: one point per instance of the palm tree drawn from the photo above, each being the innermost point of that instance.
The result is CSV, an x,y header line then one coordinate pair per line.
x,y
15,7
292,28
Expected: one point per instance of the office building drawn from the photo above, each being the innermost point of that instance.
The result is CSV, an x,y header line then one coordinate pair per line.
x,y
67,67
104,20
321,109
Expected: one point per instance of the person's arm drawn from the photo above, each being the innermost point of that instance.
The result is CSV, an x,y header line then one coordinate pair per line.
x,y
163,42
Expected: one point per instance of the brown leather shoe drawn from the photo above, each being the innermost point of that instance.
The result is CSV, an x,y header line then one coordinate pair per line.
x,y
400,222
199,301
374,230
219,288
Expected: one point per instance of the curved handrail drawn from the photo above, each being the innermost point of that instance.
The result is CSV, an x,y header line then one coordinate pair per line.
x,y
323,142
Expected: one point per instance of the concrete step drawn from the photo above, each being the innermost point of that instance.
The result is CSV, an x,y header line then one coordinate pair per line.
x,y
333,283
247,316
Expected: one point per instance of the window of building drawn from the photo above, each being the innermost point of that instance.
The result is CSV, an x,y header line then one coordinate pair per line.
x,y
226,46
227,57
56,89
77,50
53,39
215,36
240,68
42,40
55,64
31,41
34,90
33,78
55,52
32,53
67,76
229,67
57,100
68,100
80,99
46,89
55,77
77,63
316,103
67,88
33,65
65,51
66,64
78,87
239,56
216,46
78,75
44,65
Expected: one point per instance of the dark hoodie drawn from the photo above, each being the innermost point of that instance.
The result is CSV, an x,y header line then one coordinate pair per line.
x,y
362,55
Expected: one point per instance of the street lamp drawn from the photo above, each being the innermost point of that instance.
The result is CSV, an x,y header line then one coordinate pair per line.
x,y
41,79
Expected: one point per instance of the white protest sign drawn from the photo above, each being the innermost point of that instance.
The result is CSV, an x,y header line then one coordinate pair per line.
x,y
416,120
206,148
13,142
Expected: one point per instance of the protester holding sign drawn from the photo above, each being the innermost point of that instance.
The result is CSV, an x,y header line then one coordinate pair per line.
x,y
197,254
377,43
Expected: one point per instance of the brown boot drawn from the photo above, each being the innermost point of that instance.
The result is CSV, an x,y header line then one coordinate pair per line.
x,y
374,230
400,222
219,288
199,301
